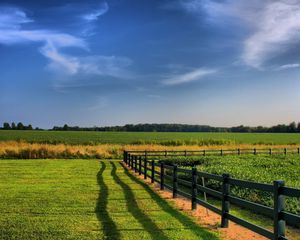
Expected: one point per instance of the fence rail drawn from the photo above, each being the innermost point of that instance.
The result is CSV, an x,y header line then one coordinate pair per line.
x,y
167,177
215,152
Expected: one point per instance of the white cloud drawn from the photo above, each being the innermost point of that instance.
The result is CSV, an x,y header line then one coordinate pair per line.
x,y
288,66
277,29
112,66
11,32
273,26
191,76
95,14
60,62
12,18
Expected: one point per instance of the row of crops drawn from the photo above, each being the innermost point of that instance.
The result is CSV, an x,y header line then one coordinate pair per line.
x,y
263,169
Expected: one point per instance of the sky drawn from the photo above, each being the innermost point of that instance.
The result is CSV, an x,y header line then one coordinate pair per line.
x,y
103,63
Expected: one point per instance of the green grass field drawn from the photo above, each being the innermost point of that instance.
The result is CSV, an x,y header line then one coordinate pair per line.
x,y
260,168
80,199
149,137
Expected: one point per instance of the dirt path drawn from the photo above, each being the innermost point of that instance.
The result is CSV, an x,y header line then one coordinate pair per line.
x,y
206,218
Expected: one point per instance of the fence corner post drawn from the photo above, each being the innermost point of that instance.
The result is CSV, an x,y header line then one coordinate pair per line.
x,y
175,181
194,188
225,202
279,206
162,176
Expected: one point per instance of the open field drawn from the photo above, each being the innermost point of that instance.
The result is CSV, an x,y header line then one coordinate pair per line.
x,y
164,138
251,216
262,169
64,199
24,150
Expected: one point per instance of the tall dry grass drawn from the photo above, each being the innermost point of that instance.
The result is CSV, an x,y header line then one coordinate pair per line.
x,y
24,150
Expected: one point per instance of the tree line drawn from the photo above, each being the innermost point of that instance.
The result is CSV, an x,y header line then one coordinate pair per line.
x,y
18,126
280,128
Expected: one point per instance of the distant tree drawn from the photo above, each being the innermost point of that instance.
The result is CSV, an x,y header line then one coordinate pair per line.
x,y
13,126
29,127
65,127
292,127
6,126
298,127
20,126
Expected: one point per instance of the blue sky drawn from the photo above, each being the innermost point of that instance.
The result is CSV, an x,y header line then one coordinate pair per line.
x,y
87,63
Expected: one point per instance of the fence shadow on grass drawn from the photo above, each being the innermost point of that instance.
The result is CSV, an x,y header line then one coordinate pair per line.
x,y
165,206
154,231
108,226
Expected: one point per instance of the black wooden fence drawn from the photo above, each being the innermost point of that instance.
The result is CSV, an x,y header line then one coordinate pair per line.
x,y
167,177
220,152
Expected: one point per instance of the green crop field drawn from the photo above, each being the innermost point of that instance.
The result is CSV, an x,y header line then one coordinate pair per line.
x,y
167,138
260,168
80,199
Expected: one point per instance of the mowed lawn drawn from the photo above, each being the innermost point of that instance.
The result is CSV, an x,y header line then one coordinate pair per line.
x,y
85,199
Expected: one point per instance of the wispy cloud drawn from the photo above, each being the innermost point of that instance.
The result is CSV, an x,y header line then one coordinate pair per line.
x,y
90,18
11,18
12,21
194,75
273,26
95,14
288,66
277,29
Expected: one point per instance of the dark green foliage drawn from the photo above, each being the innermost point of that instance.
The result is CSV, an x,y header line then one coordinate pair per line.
x,y
281,128
6,126
263,169
20,126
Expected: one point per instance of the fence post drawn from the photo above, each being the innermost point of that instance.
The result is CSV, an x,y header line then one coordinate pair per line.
x,y
203,152
152,171
185,153
140,165
270,151
175,183
254,151
285,151
221,152
239,151
135,164
128,159
132,161
279,205
225,202
162,176
166,153
298,150
194,188
145,168
124,156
